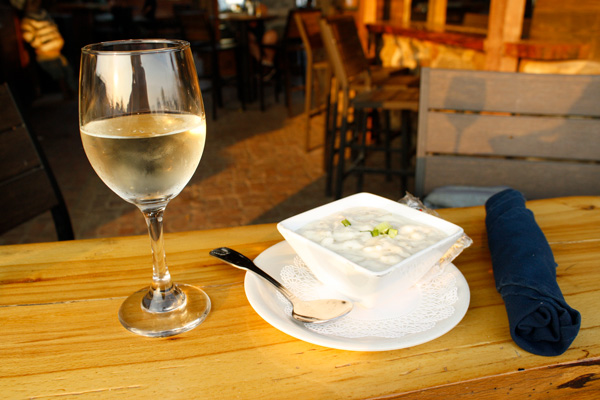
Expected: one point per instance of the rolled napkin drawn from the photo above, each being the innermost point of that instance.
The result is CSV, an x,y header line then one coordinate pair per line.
x,y
541,322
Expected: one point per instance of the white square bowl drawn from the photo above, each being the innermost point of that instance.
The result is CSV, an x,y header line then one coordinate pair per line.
x,y
352,280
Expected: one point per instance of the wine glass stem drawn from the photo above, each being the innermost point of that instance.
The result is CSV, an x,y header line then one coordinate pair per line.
x,y
163,295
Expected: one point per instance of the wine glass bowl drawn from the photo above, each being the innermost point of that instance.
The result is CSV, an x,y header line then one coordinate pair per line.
x,y
143,129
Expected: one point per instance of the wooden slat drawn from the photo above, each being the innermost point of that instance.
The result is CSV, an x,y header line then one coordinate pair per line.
x,y
347,41
16,152
27,185
539,134
25,197
515,93
472,134
310,23
535,179
9,115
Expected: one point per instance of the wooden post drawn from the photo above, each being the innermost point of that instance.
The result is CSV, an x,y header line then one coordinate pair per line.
x,y
406,12
505,25
367,13
400,12
436,14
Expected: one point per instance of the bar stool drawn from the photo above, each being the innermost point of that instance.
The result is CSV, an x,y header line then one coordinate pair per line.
x,y
360,97
198,29
318,71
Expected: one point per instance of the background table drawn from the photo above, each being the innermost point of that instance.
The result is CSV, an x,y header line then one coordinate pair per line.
x,y
60,336
244,24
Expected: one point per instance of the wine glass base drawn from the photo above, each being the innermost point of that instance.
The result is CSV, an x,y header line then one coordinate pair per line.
x,y
137,319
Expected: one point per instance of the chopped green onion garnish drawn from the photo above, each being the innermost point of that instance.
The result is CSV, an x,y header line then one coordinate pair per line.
x,y
345,222
375,232
392,233
383,227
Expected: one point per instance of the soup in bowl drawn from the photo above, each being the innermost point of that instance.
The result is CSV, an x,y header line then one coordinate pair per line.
x,y
366,246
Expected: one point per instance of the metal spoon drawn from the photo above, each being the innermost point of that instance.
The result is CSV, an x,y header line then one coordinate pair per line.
x,y
315,311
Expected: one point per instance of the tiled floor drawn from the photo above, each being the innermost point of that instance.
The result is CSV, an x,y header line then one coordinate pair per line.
x,y
254,170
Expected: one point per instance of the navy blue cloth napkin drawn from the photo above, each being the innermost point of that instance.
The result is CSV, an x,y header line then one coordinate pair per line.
x,y
541,322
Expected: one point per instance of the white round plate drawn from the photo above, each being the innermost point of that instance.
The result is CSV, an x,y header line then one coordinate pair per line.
x,y
263,298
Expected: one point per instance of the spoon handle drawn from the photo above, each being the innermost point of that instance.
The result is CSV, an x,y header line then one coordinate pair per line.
x,y
239,260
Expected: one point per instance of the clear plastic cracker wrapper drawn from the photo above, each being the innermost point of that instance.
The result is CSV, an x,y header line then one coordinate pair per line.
x,y
462,243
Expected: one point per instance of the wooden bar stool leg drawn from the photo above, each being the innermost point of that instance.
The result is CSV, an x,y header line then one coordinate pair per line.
x,y
216,86
261,83
330,139
361,127
308,102
406,149
387,138
339,177
239,79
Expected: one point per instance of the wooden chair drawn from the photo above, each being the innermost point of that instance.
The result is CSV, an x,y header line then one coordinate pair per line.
x,y
287,51
539,134
318,72
353,75
27,184
197,28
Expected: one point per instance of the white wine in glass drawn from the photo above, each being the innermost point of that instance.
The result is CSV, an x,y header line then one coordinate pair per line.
x,y
143,129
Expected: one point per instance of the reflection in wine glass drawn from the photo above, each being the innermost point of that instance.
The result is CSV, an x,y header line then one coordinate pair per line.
x,y
143,128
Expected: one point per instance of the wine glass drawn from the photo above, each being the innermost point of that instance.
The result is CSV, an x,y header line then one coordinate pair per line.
x,y
143,129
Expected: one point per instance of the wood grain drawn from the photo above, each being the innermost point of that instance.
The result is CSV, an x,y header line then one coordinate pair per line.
x,y
60,336
482,128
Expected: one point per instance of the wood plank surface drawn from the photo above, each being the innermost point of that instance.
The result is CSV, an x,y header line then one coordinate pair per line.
x,y
536,179
473,41
525,136
514,93
9,115
16,152
60,336
539,134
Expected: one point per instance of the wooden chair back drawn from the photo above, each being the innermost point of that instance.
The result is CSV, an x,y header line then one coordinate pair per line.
x,y
196,27
27,184
344,49
537,133
318,72
307,22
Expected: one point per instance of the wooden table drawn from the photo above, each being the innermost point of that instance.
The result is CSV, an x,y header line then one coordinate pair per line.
x,y
244,23
60,336
473,39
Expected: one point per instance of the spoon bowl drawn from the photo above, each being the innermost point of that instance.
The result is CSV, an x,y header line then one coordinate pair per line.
x,y
312,311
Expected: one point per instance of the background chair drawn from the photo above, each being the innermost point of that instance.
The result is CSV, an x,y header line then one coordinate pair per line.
x,y
537,133
288,56
317,82
198,29
26,181
358,93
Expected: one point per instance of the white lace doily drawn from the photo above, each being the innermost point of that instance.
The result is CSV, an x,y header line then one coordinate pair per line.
x,y
416,310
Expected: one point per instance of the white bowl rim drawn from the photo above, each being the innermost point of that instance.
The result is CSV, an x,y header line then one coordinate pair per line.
x,y
324,210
